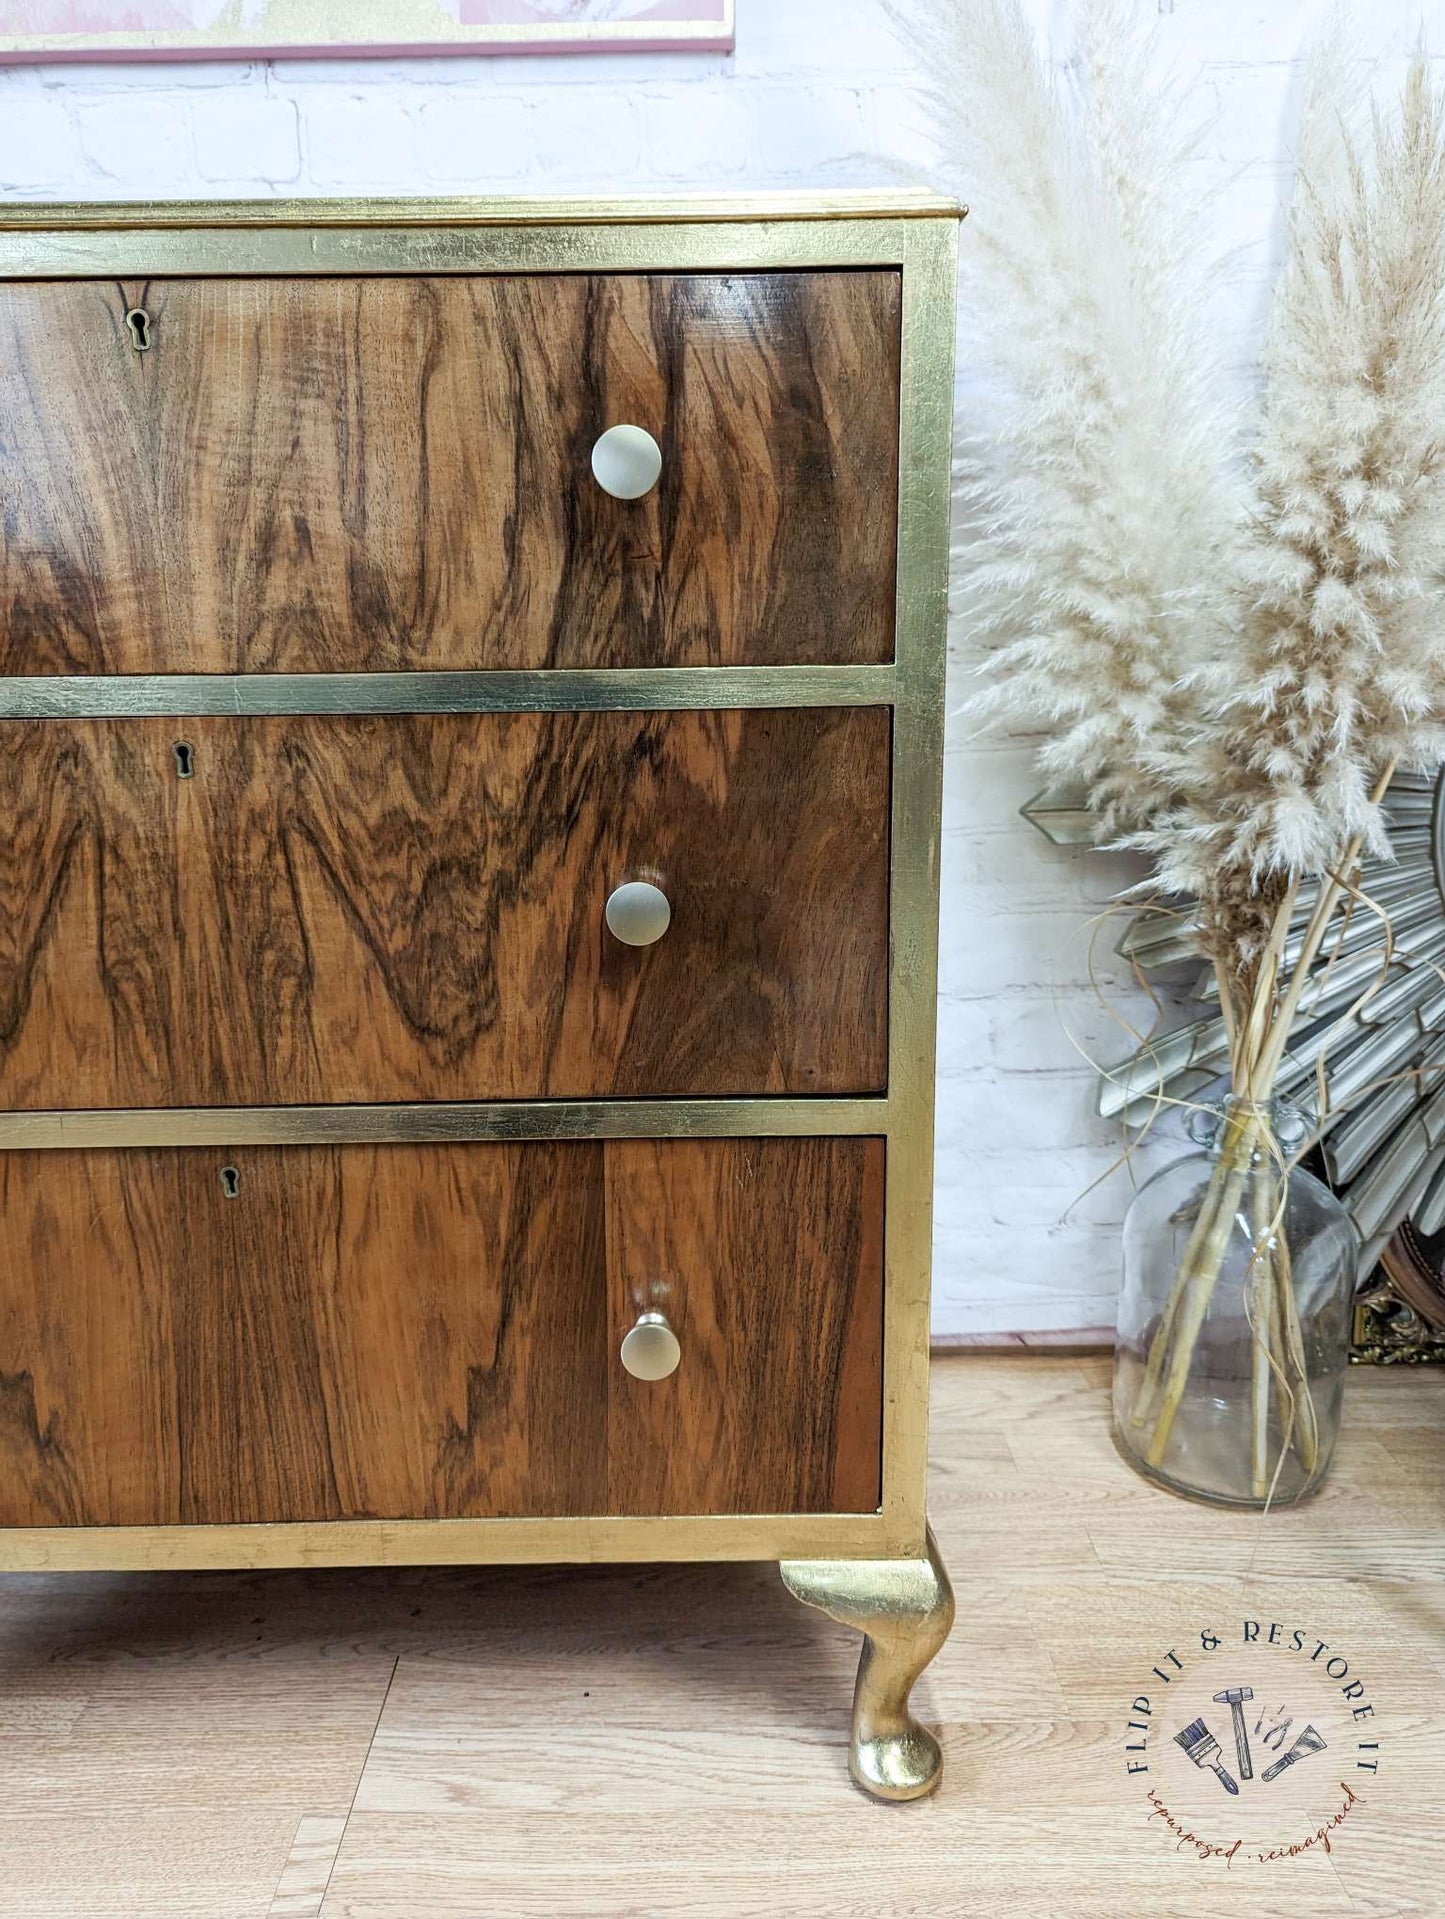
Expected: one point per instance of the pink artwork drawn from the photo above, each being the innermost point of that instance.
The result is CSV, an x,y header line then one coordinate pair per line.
x,y
263,29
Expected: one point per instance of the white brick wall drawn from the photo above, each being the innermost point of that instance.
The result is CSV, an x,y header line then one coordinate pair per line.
x,y
817,91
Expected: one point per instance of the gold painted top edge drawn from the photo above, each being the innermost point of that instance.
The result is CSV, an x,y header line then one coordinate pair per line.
x,y
851,203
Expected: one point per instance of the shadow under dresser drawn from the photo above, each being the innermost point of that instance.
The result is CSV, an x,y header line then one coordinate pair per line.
x,y
472,711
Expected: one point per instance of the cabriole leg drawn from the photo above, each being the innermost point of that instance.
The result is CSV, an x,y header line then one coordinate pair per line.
x,y
904,1609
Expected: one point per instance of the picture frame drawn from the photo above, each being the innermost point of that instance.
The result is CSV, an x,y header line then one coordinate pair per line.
x,y
90,30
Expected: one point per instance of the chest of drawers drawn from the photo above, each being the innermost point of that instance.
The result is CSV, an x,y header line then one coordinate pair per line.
x,y
468,891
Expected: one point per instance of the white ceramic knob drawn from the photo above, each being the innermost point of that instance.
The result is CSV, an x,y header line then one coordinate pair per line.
x,y
638,913
626,462
651,1350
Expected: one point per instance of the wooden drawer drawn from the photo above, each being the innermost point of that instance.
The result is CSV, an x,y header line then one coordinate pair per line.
x,y
331,474
433,1332
360,909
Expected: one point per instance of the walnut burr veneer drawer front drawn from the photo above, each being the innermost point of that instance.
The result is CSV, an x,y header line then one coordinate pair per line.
x,y
336,474
304,1333
272,911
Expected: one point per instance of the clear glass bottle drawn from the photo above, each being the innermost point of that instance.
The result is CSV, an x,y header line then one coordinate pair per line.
x,y
1234,1317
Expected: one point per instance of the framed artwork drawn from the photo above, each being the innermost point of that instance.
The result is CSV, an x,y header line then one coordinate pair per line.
x,y
32,30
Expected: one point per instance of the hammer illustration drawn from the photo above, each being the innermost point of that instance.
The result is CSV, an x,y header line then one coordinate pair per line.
x,y
1235,1697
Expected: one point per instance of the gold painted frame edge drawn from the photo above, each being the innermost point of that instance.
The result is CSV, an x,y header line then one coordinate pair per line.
x,y
729,241
551,689
924,243
446,1542
443,1122
925,489
494,210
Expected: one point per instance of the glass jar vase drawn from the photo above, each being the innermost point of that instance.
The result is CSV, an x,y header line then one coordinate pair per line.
x,y
1234,1318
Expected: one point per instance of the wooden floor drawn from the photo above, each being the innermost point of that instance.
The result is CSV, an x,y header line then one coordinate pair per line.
x,y
670,1740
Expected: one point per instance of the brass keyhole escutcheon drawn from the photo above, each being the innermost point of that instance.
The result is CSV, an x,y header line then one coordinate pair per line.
x,y
139,322
230,1181
185,759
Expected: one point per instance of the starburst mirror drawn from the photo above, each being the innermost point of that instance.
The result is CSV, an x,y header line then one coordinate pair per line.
x,y
1369,1052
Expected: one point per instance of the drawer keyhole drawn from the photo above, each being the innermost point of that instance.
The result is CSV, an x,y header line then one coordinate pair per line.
x,y
230,1181
139,322
185,760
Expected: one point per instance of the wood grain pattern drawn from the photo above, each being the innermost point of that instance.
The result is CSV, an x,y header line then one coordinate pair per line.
x,y
400,1330
338,474
795,1295
366,909
432,1332
304,1878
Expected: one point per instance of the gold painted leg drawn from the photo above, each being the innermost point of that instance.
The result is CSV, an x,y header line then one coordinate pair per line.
x,y
904,1609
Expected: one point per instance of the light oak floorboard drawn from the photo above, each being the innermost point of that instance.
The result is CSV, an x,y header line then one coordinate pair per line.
x,y
167,1863
1042,1861
307,1872
670,1740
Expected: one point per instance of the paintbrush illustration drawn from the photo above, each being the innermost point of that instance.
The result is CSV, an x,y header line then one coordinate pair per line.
x,y
1200,1745
1309,1741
